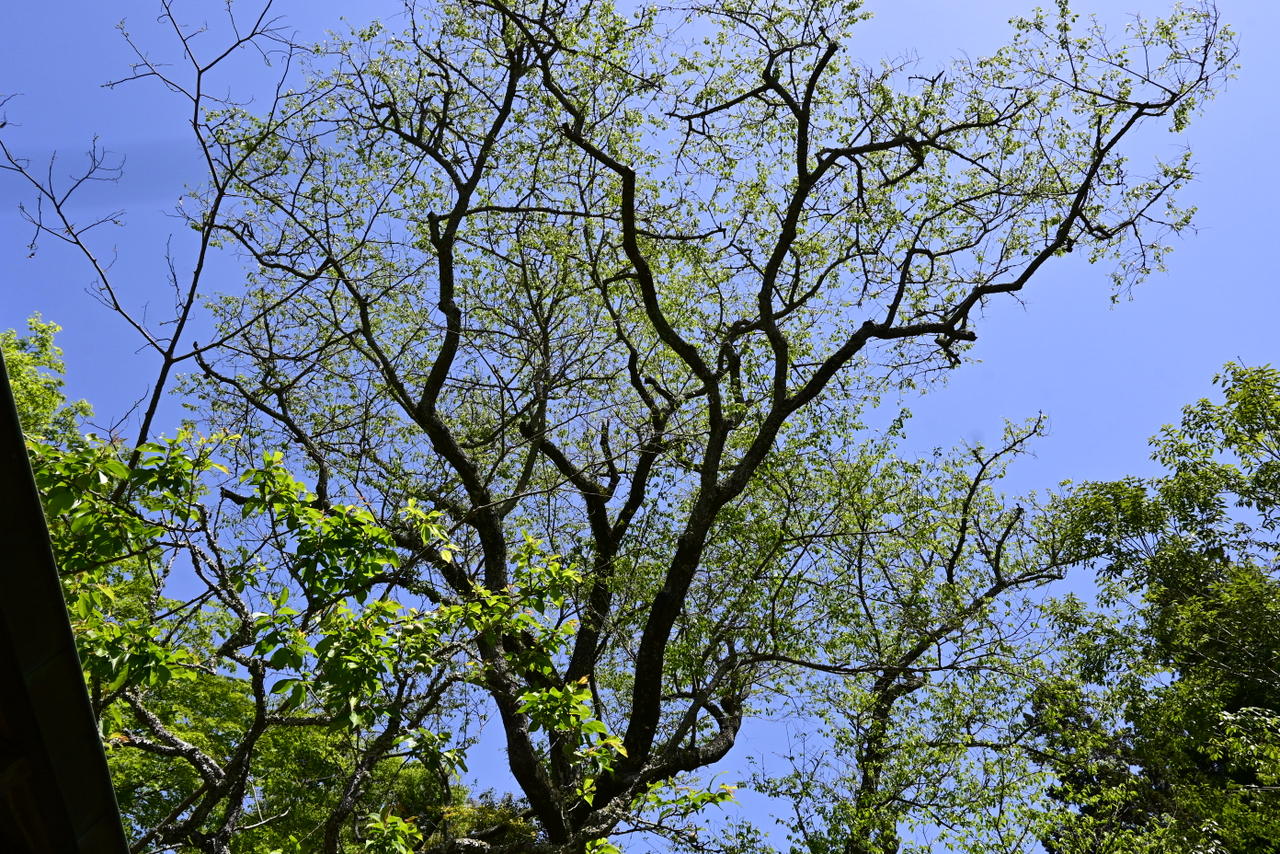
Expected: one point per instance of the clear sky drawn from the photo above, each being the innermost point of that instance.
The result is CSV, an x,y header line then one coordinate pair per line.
x,y
1107,376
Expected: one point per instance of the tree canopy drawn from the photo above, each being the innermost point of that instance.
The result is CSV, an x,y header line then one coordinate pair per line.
x,y
1166,732
557,392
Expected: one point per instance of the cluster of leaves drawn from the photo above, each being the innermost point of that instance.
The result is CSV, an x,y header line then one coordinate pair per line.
x,y
35,374
1166,737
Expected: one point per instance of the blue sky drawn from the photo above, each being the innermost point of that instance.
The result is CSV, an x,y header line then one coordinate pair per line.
x,y
1107,376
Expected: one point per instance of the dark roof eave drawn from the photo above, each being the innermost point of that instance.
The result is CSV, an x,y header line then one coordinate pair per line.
x,y
55,789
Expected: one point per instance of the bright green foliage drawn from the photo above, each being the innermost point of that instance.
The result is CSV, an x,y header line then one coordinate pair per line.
x,y
1168,737
35,373
224,693
387,833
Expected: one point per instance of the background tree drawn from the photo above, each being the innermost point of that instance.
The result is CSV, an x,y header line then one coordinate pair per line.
x,y
35,373
1167,737
555,271
925,748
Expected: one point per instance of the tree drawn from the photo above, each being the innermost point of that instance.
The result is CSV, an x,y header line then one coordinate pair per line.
x,y
1167,736
35,370
925,733
633,286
